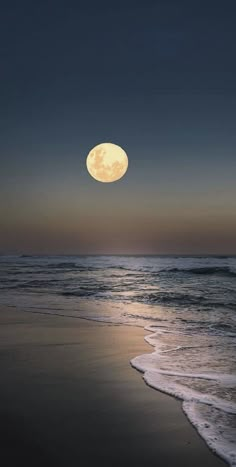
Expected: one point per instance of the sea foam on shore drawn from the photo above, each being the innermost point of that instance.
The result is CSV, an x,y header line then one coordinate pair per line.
x,y
189,304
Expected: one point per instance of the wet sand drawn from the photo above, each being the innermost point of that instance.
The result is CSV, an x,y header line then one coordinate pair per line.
x,y
69,397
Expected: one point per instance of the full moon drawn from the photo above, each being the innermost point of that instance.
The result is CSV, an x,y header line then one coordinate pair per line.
x,y
107,162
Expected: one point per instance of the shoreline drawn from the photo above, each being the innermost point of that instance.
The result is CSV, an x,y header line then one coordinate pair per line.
x,y
69,382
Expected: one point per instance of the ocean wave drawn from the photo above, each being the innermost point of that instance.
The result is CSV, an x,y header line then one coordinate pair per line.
x,y
213,416
32,284
78,293
161,380
181,299
225,271
84,291
28,256
214,427
67,265
188,303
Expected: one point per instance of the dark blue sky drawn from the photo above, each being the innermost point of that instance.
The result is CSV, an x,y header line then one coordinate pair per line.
x,y
157,78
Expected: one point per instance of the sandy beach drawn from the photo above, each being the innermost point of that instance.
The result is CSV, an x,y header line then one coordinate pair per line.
x,y
69,397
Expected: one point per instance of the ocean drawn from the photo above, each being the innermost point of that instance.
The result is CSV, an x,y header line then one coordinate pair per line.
x,y
186,304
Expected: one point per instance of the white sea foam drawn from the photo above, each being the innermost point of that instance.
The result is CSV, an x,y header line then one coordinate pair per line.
x,y
189,302
213,426
213,416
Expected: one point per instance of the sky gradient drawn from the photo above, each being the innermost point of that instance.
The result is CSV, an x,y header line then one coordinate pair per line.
x,y
157,78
